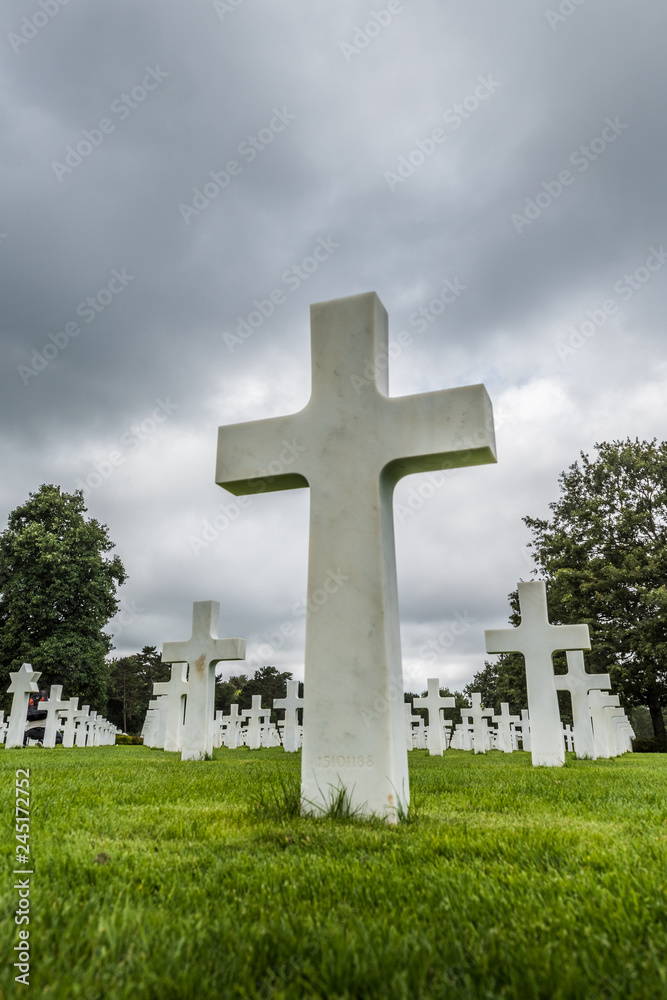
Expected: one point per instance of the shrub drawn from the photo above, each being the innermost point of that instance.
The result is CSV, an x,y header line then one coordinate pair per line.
x,y
123,740
649,744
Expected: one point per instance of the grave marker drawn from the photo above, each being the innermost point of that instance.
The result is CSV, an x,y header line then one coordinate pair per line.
x,y
82,728
23,684
578,682
256,716
54,708
291,703
350,445
409,719
433,702
538,640
525,730
480,730
233,723
202,651
176,689
504,722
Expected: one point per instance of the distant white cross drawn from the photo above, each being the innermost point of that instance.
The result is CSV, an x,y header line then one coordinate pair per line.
x,y
82,728
150,727
218,728
202,651
568,737
176,689
291,703
159,705
91,729
70,717
23,684
409,720
579,683
622,728
420,734
504,722
525,730
477,715
257,717
351,444
54,708
233,723
538,640
463,736
600,702
433,702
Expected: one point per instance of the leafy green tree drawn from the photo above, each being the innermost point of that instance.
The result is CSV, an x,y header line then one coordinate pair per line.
x,y
150,669
126,704
131,687
504,680
603,554
229,691
268,682
57,592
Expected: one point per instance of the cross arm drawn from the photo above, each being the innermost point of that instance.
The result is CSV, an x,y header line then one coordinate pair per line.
x,y
591,682
231,649
225,649
261,456
450,428
555,637
503,640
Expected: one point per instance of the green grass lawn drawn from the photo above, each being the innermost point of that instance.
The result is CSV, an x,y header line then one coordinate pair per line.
x,y
161,879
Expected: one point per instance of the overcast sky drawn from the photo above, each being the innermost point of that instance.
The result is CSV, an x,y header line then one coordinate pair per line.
x,y
514,150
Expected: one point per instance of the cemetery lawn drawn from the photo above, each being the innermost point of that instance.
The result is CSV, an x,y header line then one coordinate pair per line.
x,y
159,879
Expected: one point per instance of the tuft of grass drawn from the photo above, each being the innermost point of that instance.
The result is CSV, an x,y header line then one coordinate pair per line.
x,y
278,798
339,804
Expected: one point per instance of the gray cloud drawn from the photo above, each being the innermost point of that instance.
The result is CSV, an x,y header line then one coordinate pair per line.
x,y
357,117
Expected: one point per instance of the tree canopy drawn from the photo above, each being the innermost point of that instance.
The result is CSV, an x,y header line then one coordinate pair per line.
x,y
131,687
57,592
603,554
268,682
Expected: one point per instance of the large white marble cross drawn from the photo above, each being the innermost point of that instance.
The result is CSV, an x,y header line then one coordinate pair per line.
x,y
291,703
351,444
176,689
23,684
579,683
201,651
538,640
433,702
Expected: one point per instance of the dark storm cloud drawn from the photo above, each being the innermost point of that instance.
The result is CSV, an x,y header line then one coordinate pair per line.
x,y
158,253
